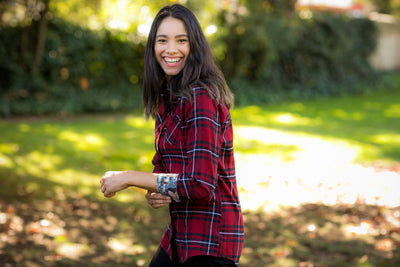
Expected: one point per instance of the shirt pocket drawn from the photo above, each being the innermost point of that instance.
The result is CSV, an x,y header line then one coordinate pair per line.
x,y
173,131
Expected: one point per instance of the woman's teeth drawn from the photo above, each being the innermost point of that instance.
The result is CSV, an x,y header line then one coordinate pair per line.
x,y
172,60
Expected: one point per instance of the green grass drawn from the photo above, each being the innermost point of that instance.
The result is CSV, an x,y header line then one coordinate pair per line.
x,y
369,122
53,214
66,151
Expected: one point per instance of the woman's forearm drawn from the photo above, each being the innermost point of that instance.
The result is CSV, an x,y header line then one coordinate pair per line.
x,y
144,180
164,183
114,181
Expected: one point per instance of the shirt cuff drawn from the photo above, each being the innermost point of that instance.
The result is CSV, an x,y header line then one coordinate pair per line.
x,y
167,185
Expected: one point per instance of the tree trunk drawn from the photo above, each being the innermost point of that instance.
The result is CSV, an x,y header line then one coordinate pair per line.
x,y
41,38
25,37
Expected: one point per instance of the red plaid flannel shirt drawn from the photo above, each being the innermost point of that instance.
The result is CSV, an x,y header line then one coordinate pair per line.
x,y
195,140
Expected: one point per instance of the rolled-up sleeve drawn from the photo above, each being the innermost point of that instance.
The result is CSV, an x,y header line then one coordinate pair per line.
x,y
158,166
203,135
157,159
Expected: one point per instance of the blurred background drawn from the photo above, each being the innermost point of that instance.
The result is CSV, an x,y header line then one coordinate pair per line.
x,y
66,57
316,123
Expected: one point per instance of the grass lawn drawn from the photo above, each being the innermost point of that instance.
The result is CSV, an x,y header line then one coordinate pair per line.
x,y
52,212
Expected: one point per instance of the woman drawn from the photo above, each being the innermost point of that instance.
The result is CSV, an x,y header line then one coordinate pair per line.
x,y
194,170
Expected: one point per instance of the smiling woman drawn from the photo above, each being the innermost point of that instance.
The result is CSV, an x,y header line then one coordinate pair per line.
x,y
194,170
172,46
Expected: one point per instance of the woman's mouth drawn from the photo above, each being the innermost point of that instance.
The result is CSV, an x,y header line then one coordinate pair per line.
x,y
172,62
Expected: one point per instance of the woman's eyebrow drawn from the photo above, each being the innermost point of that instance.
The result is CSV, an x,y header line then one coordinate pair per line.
x,y
181,35
177,36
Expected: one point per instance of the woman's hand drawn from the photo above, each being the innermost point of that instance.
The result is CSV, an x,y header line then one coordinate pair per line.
x,y
157,200
113,182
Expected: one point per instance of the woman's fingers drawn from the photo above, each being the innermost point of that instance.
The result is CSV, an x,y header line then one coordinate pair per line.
x,y
110,195
148,195
157,200
112,182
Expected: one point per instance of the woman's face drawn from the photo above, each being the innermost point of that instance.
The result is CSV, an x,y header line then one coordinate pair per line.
x,y
172,46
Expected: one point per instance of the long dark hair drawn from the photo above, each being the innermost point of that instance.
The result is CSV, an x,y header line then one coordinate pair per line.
x,y
200,68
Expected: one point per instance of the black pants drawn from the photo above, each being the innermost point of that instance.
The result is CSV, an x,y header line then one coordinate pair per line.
x,y
161,259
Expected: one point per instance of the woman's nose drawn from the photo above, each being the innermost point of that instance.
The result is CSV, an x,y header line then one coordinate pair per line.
x,y
171,48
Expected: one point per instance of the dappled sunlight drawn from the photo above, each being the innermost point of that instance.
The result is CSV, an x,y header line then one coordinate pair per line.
x,y
87,142
139,122
37,163
251,113
124,245
327,232
85,183
72,250
303,188
6,162
287,118
7,149
387,139
393,111
309,148
69,162
255,115
132,194
344,115
321,170
47,167
74,229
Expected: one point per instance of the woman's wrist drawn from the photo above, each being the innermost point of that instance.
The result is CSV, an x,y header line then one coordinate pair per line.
x,y
167,185
164,183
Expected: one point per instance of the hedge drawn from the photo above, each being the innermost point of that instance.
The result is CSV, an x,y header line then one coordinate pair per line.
x,y
267,56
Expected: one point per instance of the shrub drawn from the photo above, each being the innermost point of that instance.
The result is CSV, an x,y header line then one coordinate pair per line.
x,y
268,54
81,71
285,57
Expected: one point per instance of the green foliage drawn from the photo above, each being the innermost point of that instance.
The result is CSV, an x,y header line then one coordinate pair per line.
x,y
387,6
266,51
285,57
332,48
81,71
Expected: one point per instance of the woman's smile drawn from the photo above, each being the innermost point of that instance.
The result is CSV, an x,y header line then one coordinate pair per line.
x,y
172,46
172,62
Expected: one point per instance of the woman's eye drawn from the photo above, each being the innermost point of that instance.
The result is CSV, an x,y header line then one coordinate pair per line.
x,y
161,41
182,40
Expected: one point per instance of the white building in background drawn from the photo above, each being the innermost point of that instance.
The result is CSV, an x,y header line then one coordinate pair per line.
x,y
387,54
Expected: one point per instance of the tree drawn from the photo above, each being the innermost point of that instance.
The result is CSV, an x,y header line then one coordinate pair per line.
x,y
391,7
41,36
34,26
